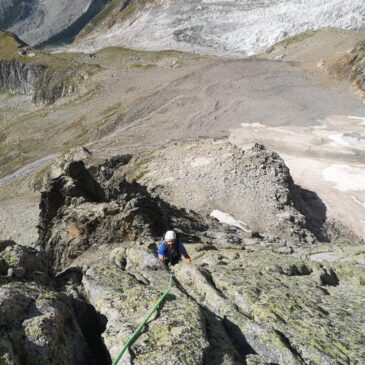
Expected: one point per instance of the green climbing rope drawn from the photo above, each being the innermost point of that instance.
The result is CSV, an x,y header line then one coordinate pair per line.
x,y
138,330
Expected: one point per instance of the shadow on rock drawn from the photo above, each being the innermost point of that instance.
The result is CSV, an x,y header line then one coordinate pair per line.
x,y
314,210
92,323
238,339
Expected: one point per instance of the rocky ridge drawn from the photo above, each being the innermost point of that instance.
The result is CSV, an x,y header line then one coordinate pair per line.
x,y
243,300
252,185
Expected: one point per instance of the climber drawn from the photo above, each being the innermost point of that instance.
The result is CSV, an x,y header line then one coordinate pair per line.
x,y
171,249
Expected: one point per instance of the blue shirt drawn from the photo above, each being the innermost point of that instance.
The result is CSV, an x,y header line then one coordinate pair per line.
x,y
176,250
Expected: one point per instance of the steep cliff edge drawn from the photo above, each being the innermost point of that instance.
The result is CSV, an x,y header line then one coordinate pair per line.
x,y
45,77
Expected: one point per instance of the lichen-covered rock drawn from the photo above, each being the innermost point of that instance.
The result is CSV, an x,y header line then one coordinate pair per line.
x,y
37,324
38,327
285,304
231,305
181,332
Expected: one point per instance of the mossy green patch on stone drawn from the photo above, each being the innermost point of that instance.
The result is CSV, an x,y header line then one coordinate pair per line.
x,y
346,272
5,359
143,66
33,331
10,257
160,335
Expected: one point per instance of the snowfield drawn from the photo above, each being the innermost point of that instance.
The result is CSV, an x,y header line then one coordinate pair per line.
x,y
227,27
345,177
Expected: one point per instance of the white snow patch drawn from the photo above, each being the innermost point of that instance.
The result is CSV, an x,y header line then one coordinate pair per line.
x,y
165,180
228,219
325,256
253,125
319,127
340,140
360,119
345,177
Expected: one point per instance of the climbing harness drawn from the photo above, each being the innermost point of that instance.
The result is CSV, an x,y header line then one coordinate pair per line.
x,y
139,329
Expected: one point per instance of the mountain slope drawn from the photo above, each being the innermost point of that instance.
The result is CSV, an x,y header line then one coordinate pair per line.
x,y
138,100
335,52
351,66
213,27
38,21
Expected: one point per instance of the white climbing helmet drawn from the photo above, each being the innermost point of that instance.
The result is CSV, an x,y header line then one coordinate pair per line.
x,y
170,235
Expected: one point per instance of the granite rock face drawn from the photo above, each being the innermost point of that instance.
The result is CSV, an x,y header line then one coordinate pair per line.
x,y
125,199
290,308
80,210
